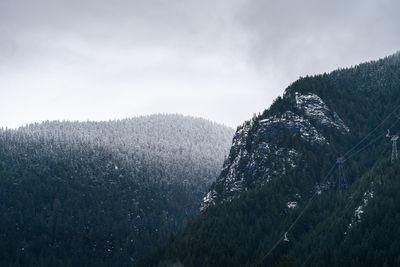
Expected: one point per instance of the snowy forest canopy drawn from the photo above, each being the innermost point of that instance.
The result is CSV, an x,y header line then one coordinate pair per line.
x,y
79,193
183,146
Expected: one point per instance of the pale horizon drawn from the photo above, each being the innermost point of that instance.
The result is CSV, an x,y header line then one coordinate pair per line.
x,y
218,60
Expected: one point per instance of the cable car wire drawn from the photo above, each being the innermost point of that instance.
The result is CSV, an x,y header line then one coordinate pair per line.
x,y
330,171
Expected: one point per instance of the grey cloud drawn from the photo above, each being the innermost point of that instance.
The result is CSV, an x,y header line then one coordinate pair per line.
x,y
197,51
291,35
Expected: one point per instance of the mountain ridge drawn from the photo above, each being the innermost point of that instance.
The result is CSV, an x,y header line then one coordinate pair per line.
x,y
101,193
243,226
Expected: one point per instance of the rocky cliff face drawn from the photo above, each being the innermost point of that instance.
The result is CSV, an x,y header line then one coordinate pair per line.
x,y
259,151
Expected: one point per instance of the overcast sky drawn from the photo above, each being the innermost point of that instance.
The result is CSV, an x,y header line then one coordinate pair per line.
x,y
221,60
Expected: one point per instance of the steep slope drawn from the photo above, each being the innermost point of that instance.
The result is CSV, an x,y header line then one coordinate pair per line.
x,y
281,158
102,193
361,227
255,160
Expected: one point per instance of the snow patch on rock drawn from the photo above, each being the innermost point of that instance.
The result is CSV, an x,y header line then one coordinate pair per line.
x,y
296,124
208,200
291,204
316,109
256,158
358,212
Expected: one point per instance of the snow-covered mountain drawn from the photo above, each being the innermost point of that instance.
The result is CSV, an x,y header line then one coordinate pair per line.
x,y
102,193
170,148
257,154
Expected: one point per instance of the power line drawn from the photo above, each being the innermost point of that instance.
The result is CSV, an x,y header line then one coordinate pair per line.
x,y
342,160
300,215
355,153
371,132
374,140
330,226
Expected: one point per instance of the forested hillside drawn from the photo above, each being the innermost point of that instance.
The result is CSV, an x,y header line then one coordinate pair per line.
x,y
282,176
102,193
